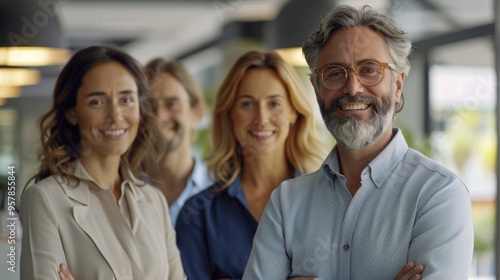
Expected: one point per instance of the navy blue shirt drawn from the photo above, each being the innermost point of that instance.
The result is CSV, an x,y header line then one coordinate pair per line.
x,y
215,233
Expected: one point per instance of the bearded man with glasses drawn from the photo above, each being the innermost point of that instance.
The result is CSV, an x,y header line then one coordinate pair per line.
x,y
374,204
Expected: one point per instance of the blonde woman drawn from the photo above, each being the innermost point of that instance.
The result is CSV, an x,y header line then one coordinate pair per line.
x,y
88,211
263,132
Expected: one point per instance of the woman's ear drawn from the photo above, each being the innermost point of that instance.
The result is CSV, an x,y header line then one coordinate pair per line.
x,y
294,117
71,116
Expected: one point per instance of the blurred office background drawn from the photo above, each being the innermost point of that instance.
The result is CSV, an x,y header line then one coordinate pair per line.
x,y
451,93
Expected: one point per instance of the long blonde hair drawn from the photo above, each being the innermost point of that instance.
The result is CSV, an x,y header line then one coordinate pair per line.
x,y
61,143
303,148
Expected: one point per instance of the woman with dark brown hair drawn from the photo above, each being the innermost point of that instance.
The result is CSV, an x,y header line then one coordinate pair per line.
x,y
88,210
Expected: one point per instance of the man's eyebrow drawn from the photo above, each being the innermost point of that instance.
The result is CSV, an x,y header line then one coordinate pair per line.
x,y
173,98
345,64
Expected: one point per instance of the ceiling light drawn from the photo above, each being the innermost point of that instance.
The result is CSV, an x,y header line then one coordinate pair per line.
x,y
12,77
32,56
10,92
30,34
293,25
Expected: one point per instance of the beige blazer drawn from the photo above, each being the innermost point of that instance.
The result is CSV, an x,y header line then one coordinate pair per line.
x,y
84,228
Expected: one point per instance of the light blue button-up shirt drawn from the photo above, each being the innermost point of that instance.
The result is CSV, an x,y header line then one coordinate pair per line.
x,y
197,181
409,208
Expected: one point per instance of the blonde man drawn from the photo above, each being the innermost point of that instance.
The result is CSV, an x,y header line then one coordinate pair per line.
x,y
178,104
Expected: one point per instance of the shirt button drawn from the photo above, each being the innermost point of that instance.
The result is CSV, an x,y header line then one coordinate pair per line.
x,y
346,247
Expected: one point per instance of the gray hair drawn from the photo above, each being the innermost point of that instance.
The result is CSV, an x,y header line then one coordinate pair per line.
x,y
398,42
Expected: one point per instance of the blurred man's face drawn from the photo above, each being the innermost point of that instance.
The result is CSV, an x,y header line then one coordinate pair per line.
x,y
171,106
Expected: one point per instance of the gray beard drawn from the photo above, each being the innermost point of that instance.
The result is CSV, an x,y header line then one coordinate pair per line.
x,y
351,132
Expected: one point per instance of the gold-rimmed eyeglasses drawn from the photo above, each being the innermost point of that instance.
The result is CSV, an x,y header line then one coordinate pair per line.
x,y
369,73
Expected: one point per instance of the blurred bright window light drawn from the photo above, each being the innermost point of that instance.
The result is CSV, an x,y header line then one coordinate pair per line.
x,y
33,56
18,77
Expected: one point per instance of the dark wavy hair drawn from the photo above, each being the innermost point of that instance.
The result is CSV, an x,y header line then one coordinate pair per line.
x,y
60,140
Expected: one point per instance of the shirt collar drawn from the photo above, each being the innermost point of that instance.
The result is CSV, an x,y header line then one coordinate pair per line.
x,y
331,162
235,190
81,194
130,180
380,167
199,176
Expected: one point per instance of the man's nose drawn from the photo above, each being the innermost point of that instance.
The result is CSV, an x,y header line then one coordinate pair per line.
x,y
352,85
162,114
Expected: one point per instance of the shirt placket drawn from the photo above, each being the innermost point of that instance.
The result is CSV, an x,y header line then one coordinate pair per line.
x,y
124,223
348,226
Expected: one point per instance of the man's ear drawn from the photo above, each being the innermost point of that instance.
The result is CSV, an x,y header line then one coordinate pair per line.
x,y
399,86
316,90
71,116
197,114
